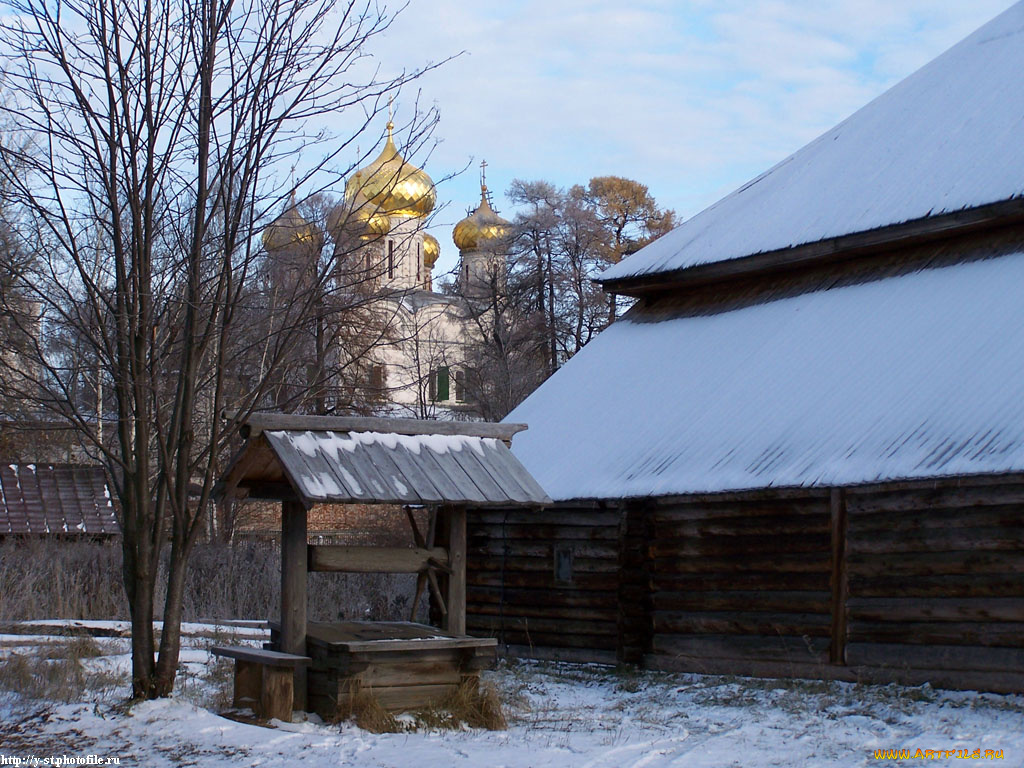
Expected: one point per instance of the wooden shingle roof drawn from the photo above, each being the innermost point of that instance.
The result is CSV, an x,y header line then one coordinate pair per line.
x,y
40,499
381,461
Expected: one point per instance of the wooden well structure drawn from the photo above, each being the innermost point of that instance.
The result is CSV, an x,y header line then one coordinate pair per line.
x,y
444,467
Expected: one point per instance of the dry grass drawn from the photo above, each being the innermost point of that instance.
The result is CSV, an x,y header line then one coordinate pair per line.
x,y
57,672
361,706
50,579
470,705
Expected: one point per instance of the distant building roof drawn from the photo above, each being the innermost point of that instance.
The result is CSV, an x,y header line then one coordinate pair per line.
x,y
55,499
915,376
949,137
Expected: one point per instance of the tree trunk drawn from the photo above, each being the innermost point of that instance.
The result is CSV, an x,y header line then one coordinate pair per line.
x,y
170,637
139,586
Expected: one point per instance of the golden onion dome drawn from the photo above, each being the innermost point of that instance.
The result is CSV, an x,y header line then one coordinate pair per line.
x,y
358,217
481,228
431,250
396,187
290,229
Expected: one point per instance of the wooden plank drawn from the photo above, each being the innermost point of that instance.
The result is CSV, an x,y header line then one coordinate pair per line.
x,y
689,513
513,548
277,695
421,482
482,564
901,609
483,532
587,643
549,611
939,517
293,590
455,620
402,697
248,684
445,463
260,656
947,657
839,577
952,585
765,525
741,623
492,466
1003,682
544,579
569,598
551,516
397,646
344,559
575,655
727,546
259,422
808,562
394,468
939,540
863,502
789,601
493,623
756,581
766,648
1008,634
929,564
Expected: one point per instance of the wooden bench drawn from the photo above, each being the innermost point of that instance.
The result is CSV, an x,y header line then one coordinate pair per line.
x,y
264,680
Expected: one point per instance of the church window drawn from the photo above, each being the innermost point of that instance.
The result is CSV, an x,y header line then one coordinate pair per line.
x,y
377,376
460,386
439,385
391,259
419,263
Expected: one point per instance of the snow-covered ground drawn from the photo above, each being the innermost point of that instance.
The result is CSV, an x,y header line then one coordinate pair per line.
x,y
560,716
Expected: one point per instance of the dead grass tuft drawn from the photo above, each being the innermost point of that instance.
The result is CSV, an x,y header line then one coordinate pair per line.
x,y
360,705
470,705
56,673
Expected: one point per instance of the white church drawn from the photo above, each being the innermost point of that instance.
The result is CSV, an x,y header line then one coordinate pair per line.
x,y
379,242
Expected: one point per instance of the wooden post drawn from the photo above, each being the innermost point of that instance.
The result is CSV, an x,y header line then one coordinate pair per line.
x,y
839,579
455,620
293,590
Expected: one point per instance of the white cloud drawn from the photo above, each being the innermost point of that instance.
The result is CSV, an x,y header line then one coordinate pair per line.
x,y
690,98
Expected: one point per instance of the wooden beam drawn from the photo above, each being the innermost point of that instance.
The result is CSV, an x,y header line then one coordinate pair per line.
x,y
342,559
260,422
839,577
455,620
268,491
293,590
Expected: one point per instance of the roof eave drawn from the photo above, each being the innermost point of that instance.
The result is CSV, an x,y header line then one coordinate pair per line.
x,y
853,245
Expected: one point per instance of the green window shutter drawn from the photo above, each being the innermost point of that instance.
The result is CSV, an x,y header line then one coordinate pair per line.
x,y
442,383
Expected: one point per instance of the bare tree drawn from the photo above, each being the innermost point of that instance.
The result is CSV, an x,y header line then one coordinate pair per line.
x,y
149,131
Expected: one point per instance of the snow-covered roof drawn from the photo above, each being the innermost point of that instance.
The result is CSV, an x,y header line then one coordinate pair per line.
x,y
947,138
914,376
377,467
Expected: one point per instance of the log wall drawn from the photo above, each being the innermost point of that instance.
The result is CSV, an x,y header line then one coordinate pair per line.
x,y
936,582
909,582
515,594
740,583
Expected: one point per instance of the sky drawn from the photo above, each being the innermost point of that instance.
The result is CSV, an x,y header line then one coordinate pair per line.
x,y
690,98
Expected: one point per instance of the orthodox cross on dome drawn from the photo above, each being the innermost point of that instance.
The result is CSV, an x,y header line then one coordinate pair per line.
x,y
484,192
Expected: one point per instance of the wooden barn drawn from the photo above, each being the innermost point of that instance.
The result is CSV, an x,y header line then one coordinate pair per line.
x,y
801,453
